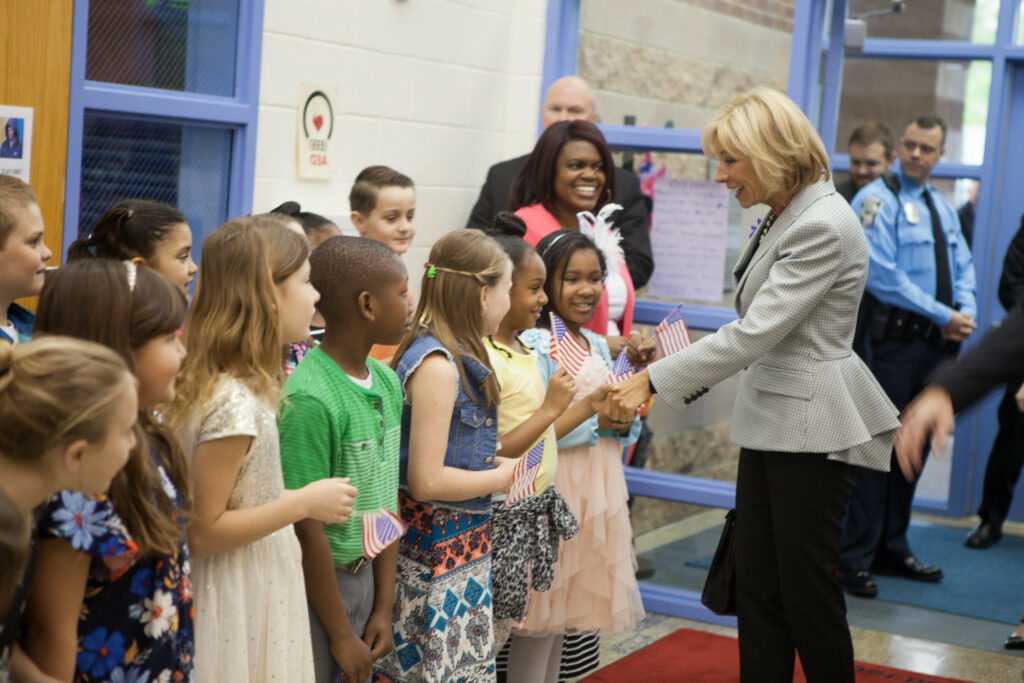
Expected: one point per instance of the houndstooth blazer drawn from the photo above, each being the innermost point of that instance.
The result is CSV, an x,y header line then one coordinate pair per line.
x,y
797,295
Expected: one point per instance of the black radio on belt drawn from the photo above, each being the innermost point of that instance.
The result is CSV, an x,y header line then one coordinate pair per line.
x,y
892,322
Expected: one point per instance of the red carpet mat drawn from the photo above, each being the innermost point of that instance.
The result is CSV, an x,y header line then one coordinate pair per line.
x,y
699,657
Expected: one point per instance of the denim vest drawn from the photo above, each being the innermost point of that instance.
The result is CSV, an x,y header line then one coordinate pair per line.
x,y
473,431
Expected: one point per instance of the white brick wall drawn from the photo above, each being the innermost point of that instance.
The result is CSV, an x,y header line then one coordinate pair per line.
x,y
437,89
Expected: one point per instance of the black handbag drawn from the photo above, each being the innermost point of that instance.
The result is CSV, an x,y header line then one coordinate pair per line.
x,y
719,594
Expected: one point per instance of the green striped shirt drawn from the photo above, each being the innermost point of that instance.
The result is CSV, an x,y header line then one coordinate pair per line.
x,y
332,427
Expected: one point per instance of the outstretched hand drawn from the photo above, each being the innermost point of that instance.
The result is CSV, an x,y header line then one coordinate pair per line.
x,y
624,400
931,413
639,348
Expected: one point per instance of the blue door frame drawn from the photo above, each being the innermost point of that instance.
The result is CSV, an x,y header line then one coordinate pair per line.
x,y
237,113
812,44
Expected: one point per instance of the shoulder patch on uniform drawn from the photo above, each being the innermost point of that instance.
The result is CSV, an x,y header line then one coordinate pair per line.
x,y
868,211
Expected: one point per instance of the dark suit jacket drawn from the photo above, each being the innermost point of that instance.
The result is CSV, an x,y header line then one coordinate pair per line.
x,y
1011,282
846,189
631,221
989,364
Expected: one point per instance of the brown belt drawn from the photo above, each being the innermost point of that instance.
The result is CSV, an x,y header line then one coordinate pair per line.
x,y
356,566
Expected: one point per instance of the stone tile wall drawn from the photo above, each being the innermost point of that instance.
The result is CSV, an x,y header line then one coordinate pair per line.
x,y
680,60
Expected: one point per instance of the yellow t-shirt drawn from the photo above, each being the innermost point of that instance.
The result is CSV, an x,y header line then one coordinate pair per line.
x,y
522,393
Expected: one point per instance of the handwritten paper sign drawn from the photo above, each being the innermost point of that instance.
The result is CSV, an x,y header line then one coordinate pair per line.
x,y
688,238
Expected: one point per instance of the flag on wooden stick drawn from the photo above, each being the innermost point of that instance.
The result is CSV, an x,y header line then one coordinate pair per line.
x,y
672,332
622,369
565,348
524,476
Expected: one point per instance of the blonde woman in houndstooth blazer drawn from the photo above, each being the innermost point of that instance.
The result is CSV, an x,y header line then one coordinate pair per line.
x,y
807,408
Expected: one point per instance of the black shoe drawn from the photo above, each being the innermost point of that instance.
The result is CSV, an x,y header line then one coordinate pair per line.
x,y
861,584
644,568
984,535
910,568
1014,643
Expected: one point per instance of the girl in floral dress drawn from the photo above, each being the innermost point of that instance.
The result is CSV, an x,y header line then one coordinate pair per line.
x,y
111,595
67,419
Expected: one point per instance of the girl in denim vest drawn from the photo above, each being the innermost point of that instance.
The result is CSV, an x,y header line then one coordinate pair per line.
x,y
449,467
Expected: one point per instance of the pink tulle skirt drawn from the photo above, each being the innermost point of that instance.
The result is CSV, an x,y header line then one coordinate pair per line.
x,y
594,587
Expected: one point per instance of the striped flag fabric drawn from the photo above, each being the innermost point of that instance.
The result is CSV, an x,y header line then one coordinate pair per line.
x,y
524,476
381,528
622,369
672,333
565,348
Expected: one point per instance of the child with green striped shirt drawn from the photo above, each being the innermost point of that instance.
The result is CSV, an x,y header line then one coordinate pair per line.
x,y
341,417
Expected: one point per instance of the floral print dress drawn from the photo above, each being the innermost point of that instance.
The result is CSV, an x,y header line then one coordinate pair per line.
x,y
136,620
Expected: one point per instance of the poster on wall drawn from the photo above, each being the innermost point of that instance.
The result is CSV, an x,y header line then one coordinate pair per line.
x,y
16,147
317,142
688,235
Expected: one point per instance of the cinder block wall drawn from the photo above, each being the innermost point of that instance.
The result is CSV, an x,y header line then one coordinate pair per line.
x,y
438,89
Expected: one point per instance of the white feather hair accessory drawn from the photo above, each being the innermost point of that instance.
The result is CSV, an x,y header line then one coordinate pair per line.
x,y
601,230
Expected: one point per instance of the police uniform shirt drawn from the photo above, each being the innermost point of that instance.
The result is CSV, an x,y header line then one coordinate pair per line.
x,y
901,247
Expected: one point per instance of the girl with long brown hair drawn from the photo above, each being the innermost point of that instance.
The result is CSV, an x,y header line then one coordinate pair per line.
x,y
449,466
252,297
111,592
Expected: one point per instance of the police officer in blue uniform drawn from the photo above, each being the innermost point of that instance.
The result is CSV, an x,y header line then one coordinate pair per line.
x,y
922,289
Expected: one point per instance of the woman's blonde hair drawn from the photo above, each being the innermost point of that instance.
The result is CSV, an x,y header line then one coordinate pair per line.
x,y
767,127
234,326
460,264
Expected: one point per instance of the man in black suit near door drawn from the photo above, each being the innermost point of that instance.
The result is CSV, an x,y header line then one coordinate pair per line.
x,y
570,98
955,386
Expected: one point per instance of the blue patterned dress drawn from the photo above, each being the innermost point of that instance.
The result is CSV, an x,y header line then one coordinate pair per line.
x,y
443,613
136,620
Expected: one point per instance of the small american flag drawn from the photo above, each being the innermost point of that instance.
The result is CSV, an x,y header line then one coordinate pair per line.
x,y
565,348
524,476
622,369
672,333
380,529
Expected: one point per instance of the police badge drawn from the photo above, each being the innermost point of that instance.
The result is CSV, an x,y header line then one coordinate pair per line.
x,y
868,211
911,211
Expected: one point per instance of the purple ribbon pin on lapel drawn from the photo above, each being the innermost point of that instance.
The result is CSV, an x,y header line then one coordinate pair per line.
x,y
753,228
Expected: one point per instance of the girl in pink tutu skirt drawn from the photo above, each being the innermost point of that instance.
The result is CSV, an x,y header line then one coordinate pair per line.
x,y
594,587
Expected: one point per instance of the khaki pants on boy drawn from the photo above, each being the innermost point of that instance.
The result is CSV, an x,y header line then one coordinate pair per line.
x,y
357,595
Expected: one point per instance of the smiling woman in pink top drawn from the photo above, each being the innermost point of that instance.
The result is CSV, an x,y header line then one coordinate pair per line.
x,y
570,170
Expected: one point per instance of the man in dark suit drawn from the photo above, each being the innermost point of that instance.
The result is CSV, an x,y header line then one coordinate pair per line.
x,y
1007,456
955,386
998,357
570,98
